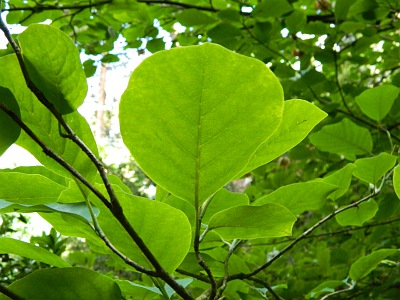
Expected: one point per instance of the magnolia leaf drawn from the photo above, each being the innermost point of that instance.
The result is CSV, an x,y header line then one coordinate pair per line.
x,y
8,245
343,138
224,199
299,118
377,102
340,178
357,216
324,288
250,222
11,134
31,189
365,265
66,284
39,119
197,128
54,66
299,197
164,229
372,169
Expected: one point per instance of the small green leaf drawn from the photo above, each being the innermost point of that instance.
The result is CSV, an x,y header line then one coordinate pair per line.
x,y
8,245
224,199
357,216
250,222
29,189
66,284
377,102
300,197
89,67
396,181
324,288
343,138
54,66
342,179
299,118
197,128
365,265
11,134
372,169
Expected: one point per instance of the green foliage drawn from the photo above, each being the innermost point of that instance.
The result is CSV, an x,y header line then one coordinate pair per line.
x,y
248,185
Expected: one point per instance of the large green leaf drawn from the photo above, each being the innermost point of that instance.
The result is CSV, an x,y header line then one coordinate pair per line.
x,y
199,125
66,284
40,170
299,118
164,229
377,102
365,265
341,178
8,245
29,189
10,135
357,216
193,17
343,138
372,169
299,197
267,9
54,66
46,127
250,222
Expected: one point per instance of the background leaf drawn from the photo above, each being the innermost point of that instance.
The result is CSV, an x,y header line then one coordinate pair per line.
x,y
365,265
197,128
377,102
340,178
343,138
372,169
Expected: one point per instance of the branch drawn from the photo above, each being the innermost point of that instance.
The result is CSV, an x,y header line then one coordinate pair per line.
x,y
267,286
10,294
42,7
178,5
301,237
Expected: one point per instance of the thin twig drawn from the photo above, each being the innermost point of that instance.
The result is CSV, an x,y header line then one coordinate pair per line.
x,y
335,59
267,286
42,7
301,237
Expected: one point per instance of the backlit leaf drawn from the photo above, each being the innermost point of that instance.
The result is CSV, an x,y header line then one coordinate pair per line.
x,y
198,126
54,66
299,118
